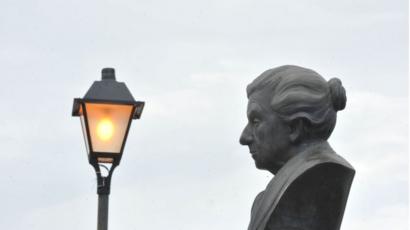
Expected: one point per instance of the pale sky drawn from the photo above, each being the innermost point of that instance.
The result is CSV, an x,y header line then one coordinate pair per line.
x,y
190,61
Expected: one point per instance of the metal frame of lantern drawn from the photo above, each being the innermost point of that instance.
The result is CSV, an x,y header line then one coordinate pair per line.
x,y
79,109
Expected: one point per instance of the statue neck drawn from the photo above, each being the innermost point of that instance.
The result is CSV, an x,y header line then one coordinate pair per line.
x,y
305,147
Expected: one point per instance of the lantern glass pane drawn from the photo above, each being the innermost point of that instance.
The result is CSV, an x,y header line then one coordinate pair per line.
x,y
83,127
108,125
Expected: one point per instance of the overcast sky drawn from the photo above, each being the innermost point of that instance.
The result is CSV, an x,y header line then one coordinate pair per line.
x,y
183,167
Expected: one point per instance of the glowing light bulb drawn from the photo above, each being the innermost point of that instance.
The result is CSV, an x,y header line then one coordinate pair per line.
x,y
105,129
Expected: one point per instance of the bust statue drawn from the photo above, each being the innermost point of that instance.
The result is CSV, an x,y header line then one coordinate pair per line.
x,y
291,114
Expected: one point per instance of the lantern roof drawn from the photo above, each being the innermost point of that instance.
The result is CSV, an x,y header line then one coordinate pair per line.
x,y
108,90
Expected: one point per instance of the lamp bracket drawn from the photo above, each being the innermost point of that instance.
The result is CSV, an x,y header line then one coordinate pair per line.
x,y
103,182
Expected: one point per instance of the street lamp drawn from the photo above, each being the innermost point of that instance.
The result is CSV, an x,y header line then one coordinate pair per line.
x,y
106,112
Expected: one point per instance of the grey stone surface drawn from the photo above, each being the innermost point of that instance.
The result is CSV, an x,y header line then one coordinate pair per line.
x,y
291,114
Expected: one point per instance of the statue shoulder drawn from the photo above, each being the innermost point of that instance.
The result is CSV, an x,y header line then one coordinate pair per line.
x,y
257,202
315,199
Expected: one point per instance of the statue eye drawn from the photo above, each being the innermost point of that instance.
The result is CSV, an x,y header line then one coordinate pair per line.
x,y
256,121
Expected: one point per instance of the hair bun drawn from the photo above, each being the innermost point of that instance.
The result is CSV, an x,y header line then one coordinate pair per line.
x,y
337,94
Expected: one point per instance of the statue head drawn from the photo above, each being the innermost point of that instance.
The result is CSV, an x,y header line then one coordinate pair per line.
x,y
289,108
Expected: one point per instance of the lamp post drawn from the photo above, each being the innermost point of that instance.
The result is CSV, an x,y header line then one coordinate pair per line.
x,y
106,112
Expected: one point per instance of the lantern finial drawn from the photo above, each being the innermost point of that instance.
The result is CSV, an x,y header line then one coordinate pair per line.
x,y
108,74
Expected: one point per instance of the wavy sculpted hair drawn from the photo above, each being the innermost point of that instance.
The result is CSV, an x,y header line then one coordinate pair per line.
x,y
300,93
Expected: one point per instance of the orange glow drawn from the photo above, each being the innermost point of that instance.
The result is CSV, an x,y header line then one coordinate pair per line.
x,y
105,129
107,125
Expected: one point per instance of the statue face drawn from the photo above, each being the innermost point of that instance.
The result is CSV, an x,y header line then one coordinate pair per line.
x,y
266,134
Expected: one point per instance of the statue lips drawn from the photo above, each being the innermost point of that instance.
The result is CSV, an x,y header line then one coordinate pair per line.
x,y
253,153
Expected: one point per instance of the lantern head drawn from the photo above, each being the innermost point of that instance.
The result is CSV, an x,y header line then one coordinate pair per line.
x,y
106,112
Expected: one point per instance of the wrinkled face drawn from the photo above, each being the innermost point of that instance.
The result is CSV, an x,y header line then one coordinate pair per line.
x,y
266,134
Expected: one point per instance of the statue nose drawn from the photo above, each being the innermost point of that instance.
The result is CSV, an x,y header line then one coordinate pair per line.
x,y
245,138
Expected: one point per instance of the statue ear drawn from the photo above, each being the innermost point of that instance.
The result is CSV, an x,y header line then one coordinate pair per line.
x,y
297,130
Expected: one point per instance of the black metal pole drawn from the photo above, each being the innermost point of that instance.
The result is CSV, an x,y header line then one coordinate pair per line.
x,y
102,223
103,191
